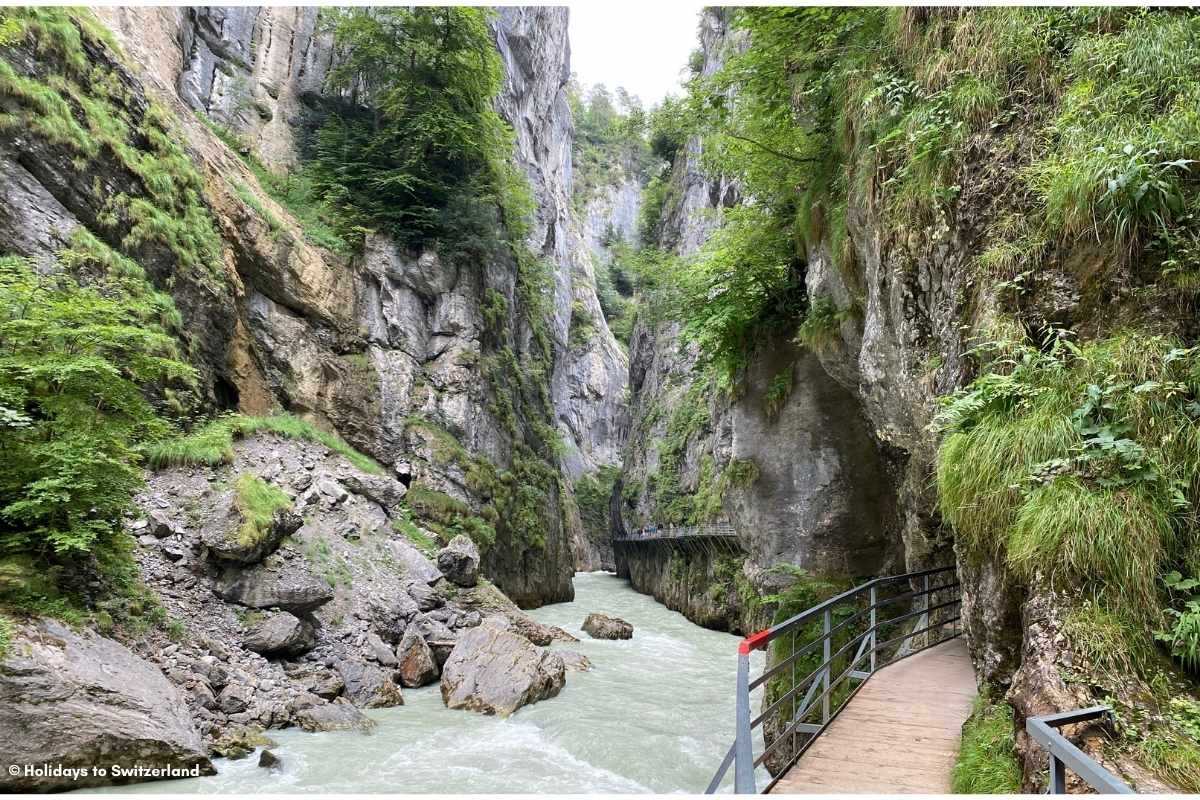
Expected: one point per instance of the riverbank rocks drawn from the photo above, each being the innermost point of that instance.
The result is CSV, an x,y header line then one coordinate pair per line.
x,y
574,661
417,664
222,532
459,561
413,563
240,742
387,492
486,600
368,686
333,717
289,587
602,626
316,679
344,589
495,671
77,700
281,634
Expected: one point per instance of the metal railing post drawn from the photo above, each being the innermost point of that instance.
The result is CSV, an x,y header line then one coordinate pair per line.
x,y
1062,754
873,640
928,619
827,624
743,764
1058,776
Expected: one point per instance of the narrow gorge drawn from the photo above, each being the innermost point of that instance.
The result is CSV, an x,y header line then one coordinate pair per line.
x,y
350,358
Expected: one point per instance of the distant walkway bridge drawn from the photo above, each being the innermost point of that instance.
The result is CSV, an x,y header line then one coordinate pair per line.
x,y
685,536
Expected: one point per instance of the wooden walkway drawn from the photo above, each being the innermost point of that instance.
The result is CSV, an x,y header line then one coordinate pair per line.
x,y
898,735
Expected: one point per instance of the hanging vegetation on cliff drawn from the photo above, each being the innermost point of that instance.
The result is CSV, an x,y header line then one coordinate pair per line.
x,y
424,154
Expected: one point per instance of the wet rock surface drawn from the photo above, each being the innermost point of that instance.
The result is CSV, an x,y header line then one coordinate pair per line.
x,y
334,717
493,670
77,699
602,626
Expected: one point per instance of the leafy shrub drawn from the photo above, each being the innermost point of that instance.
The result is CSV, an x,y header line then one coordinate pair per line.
x,y
819,330
987,762
778,391
593,491
6,634
1182,636
743,285
610,142
1127,132
75,363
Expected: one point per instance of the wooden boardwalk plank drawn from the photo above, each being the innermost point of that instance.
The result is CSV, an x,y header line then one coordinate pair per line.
x,y
900,733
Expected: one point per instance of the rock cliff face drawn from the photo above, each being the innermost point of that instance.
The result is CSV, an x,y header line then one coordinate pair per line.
x,y
824,502
592,371
391,349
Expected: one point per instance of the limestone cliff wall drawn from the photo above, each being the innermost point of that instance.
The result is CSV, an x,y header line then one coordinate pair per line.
x,y
810,485
364,344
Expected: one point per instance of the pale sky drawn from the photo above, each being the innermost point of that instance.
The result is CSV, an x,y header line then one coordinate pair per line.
x,y
642,45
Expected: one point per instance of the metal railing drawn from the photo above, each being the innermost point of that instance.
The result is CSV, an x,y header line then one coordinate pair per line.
x,y
651,533
1064,755
856,634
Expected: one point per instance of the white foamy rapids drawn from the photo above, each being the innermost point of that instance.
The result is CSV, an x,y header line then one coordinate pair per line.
x,y
655,714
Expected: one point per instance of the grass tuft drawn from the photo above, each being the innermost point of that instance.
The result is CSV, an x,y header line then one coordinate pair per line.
x,y
6,634
1079,465
987,763
212,443
257,501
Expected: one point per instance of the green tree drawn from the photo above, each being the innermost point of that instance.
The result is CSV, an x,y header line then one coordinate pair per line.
x,y
75,365
422,152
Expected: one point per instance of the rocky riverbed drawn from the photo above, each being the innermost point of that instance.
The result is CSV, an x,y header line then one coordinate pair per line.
x,y
653,714
325,607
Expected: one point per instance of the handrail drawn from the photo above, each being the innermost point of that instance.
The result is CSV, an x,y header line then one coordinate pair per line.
x,y
855,656
1064,755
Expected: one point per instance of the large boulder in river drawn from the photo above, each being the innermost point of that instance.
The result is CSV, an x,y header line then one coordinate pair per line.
x,y
225,535
288,586
495,671
281,634
75,700
368,686
602,626
459,561
417,664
